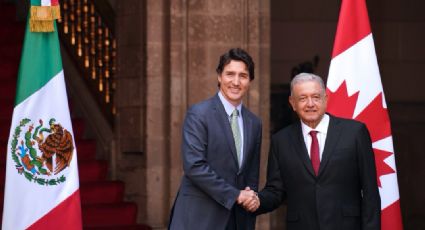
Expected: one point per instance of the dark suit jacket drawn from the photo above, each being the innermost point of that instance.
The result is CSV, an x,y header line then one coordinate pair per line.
x,y
212,178
344,196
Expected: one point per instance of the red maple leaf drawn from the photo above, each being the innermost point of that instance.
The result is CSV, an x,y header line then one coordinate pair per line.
x,y
376,118
340,104
382,168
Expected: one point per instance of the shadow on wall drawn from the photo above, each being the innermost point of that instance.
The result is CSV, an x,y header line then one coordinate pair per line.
x,y
281,114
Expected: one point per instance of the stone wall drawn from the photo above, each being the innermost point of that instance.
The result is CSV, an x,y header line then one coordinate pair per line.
x,y
129,160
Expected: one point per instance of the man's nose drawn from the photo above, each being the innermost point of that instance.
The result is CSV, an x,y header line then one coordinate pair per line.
x,y
236,80
310,101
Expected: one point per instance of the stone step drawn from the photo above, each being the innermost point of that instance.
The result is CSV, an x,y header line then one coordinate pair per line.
x,y
101,215
102,192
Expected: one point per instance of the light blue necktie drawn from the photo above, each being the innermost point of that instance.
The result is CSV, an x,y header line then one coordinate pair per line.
x,y
236,133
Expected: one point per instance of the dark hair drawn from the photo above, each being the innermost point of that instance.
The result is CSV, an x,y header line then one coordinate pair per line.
x,y
236,54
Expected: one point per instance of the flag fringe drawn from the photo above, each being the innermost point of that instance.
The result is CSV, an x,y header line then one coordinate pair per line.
x,y
45,13
42,18
41,26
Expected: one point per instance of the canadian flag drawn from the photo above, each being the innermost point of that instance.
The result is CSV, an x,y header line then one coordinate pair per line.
x,y
355,91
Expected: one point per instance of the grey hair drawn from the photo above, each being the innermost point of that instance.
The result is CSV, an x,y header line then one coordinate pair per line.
x,y
303,77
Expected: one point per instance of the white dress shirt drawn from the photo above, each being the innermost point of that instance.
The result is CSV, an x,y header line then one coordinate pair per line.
x,y
322,129
229,110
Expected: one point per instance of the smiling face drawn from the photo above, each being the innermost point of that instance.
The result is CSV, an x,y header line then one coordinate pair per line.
x,y
234,81
309,101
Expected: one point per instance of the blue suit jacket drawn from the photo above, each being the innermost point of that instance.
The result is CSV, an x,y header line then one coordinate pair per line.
x,y
212,177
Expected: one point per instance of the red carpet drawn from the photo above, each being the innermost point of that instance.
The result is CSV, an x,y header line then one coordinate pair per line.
x,y
103,206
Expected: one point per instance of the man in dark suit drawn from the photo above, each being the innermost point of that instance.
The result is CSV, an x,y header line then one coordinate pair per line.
x,y
322,166
221,154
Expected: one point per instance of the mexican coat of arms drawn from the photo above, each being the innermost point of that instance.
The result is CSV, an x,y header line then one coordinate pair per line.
x,y
41,153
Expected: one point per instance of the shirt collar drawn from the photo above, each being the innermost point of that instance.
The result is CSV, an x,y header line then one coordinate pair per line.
x,y
228,106
322,127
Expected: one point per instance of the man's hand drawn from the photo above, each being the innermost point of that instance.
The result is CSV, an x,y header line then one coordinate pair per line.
x,y
245,195
248,199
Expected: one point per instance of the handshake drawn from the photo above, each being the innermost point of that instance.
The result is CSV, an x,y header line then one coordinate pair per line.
x,y
249,200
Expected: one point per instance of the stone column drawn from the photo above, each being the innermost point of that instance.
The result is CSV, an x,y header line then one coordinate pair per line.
x,y
178,89
128,162
157,113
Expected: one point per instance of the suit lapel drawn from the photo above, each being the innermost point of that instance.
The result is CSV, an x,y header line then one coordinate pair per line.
x,y
247,126
301,149
332,137
223,121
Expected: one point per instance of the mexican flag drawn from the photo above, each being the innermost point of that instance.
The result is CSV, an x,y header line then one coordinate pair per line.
x,y
355,91
42,188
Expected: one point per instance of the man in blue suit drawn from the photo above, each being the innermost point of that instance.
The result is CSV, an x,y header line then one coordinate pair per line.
x,y
221,154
